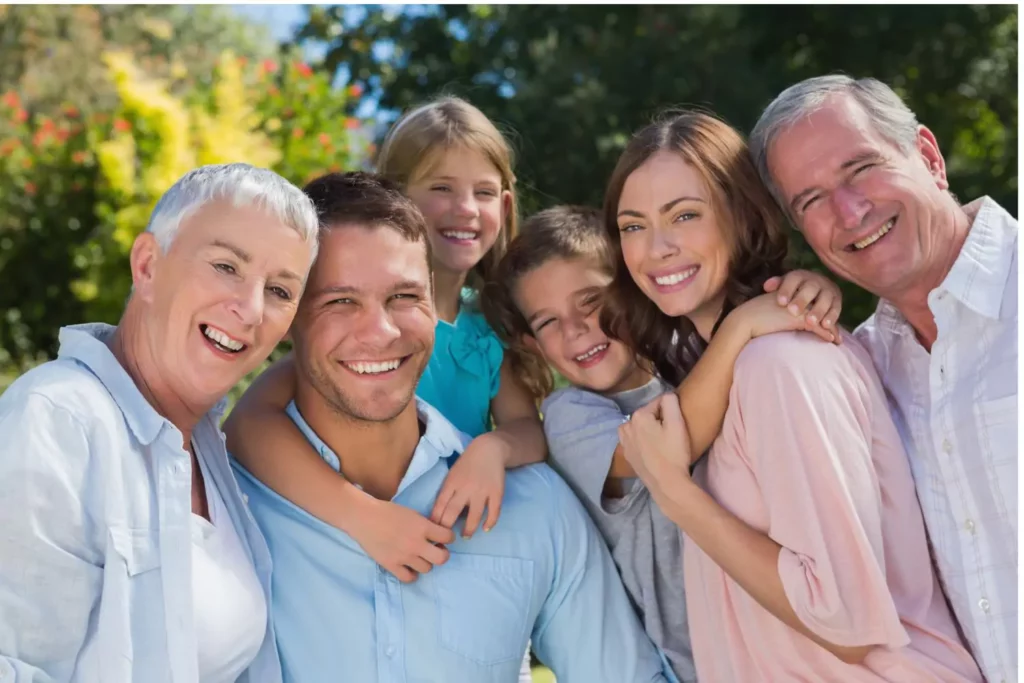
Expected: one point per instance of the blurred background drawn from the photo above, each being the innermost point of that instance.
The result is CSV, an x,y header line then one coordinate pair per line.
x,y
103,107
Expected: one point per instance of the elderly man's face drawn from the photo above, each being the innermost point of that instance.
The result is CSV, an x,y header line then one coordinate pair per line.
x,y
221,298
365,330
871,212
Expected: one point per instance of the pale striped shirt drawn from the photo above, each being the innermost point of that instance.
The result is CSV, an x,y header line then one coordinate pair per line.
x,y
956,410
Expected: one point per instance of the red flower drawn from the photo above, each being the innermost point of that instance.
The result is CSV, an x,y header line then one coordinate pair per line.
x,y
41,137
71,112
355,90
303,69
325,139
20,116
9,146
11,99
30,188
298,133
122,126
63,134
269,66
79,157
351,124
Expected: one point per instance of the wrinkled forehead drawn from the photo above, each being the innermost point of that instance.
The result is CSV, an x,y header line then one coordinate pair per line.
x,y
369,258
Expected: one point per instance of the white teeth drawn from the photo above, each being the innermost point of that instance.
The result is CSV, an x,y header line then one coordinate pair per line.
x,y
364,368
871,239
459,235
676,278
592,352
222,339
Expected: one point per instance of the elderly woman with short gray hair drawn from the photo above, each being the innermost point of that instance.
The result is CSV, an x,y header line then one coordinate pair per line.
x,y
126,551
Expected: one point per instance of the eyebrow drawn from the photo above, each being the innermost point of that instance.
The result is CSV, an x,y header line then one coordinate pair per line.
x,y
404,285
245,257
664,207
453,178
859,158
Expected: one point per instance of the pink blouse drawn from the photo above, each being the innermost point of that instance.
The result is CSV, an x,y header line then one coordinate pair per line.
x,y
809,455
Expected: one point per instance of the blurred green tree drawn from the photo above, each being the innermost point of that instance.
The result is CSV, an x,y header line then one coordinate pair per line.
x,y
573,81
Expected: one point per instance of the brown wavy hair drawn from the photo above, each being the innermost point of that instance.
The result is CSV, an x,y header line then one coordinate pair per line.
x,y
753,223
565,232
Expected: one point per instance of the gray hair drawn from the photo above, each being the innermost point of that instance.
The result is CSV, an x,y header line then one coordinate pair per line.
x,y
891,118
242,185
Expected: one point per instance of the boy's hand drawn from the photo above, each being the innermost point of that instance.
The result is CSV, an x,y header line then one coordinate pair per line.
x,y
401,540
477,482
814,296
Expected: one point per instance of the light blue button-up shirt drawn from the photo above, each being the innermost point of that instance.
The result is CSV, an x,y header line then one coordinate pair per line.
x,y
542,572
95,519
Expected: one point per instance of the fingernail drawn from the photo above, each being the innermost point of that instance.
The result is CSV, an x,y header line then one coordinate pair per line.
x,y
826,323
793,309
783,300
812,319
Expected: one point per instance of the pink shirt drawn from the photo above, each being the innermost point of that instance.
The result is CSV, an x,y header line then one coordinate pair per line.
x,y
808,455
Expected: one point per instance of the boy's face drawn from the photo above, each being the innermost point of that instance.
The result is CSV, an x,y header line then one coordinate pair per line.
x,y
561,301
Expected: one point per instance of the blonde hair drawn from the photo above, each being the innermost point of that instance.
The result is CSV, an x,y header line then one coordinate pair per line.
x,y
416,141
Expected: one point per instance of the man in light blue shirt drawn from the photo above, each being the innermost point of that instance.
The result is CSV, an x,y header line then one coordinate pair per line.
x,y
363,335
126,552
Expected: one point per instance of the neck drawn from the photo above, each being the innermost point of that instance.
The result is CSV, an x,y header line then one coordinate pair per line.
x,y
448,293
705,317
912,301
132,350
637,378
373,455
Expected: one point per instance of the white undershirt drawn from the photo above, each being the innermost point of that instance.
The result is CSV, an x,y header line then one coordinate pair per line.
x,y
230,608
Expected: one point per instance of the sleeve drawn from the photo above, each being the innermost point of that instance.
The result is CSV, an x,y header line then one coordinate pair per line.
x,y
50,575
806,416
587,631
582,431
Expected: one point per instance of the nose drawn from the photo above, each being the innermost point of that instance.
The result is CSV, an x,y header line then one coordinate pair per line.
x,y
248,304
377,329
662,243
466,205
850,207
575,327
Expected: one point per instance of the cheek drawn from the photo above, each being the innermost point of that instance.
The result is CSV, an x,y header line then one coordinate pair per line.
x,y
490,218
433,207
634,251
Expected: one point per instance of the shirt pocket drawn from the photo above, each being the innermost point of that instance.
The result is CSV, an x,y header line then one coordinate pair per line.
x,y
131,613
483,603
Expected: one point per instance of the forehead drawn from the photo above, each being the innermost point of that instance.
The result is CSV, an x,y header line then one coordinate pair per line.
x,y
261,235
459,161
820,143
665,176
368,258
556,280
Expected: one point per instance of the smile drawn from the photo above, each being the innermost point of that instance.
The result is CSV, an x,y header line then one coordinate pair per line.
x,y
874,237
583,357
675,278
221,340
361,367
460,235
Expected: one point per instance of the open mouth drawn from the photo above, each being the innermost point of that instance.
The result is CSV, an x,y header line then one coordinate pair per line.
x,y
873,237
677,279
460,236
374,368
592,356
221,341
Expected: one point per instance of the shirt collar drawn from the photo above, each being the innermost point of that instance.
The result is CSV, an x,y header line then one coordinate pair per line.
x,y
87,344
980,273
440,441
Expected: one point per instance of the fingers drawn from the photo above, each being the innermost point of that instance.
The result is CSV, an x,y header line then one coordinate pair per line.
x,y
476,512
443,500
453,509
419,565
493,510
788,286
403,574
436,533
671,413
435,555
820,308
772,283
802,299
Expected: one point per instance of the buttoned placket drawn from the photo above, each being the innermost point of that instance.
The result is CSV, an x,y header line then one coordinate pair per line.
x,y
390,618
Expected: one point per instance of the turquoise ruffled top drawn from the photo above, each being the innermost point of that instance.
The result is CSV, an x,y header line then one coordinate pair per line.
x,y
464,372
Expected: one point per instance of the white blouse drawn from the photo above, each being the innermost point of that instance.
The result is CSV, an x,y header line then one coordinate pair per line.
x,y
230,609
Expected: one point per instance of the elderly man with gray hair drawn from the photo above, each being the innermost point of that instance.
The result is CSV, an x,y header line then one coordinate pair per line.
x,y
866,185
126,552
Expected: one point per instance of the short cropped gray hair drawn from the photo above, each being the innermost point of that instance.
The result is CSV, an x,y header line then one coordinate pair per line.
x,y
892,119
242,185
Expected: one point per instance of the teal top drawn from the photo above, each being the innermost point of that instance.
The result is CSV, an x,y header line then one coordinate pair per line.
x,y
464,371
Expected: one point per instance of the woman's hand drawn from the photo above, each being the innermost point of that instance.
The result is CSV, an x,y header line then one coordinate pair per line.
x,y
809,295
476,482
657,445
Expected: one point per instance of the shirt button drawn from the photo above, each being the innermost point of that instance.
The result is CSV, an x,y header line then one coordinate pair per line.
x,y
984,605
947,446
245,498
969,525
179,468
390,651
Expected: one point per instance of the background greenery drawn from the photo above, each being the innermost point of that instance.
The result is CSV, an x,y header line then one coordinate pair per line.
x,y
101,108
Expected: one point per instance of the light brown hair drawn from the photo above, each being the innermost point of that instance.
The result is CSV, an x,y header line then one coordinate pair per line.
x,y
750,218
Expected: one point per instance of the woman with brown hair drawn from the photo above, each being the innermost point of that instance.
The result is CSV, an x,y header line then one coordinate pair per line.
x,y
806,557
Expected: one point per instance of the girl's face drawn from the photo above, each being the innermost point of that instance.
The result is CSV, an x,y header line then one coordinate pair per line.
x,y
465,208
673,242
560,300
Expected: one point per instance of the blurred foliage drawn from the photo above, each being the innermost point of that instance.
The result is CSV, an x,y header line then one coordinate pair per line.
x,y
76,187
571,82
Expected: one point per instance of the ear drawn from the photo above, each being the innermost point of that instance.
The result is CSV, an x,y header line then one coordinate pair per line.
x,y
530,343
506,207
928,147
144,259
